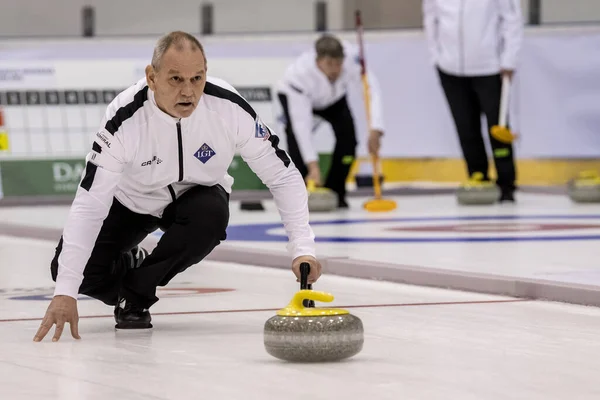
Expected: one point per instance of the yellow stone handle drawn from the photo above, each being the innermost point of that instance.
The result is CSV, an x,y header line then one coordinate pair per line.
x,y
588,174
296,308
476,177
313,295
587,178
476,180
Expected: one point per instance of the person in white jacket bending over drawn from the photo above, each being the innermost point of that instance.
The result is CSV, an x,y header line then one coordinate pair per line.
x,y
317,84
473,44
159,160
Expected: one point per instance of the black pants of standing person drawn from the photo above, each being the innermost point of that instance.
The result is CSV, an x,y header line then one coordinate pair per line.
x,y
342,123
193,226
468,98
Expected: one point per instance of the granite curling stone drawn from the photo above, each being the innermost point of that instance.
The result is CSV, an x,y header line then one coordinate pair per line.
x,y
313,334
476,191
585,188
321,199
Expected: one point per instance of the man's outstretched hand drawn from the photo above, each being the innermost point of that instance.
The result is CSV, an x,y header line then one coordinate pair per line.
x,y
62,309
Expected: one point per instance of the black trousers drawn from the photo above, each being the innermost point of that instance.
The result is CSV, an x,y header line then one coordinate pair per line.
x,y
193,226
344,153
468,98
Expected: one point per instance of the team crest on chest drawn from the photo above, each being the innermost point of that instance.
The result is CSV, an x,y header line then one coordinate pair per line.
x,y
204,153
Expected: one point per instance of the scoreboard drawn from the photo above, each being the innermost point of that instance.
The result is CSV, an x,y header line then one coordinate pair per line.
x,y
61,123
53,122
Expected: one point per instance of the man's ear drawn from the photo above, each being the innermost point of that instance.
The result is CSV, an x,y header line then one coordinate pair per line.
x,y
150,77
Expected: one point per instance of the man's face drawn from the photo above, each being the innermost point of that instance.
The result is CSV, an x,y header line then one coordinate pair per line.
x,y
179,81
331,67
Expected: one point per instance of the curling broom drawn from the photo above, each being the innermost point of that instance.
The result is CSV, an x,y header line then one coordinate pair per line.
x,y
501,132
377,204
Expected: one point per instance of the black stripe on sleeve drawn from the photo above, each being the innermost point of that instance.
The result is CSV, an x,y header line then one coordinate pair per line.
x,y
90,174
274,139
96,147
296,88
127,111
213,90
172,192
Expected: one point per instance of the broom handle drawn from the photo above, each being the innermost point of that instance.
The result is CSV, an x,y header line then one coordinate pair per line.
x,y
504,100
367,98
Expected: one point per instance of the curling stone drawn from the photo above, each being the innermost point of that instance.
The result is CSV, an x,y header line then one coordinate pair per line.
x,y
321,199
476,191
585,188
313,334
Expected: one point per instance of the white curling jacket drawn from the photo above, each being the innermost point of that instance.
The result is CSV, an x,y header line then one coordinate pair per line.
x,y
307,88
473,37
146,159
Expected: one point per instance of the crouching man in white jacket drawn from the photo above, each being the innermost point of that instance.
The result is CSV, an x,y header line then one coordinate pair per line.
x,y
474,43
317,83
159,160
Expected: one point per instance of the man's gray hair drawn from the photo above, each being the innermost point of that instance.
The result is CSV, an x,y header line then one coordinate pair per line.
x,y
178,39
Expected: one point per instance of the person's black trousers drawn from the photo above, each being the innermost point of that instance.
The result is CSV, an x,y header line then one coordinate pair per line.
x,y
193,226
344,153
468,98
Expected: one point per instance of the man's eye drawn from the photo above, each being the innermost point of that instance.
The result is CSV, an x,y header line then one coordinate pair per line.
x,y
197,78
176,79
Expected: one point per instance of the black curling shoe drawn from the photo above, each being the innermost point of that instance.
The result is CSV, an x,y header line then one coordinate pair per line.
x,y
131,316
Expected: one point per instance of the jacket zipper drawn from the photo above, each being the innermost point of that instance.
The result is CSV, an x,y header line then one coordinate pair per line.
x,y
461,50
180,143
180,147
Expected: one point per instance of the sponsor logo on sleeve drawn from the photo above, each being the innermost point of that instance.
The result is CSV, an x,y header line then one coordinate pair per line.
x,y
103,137
261,131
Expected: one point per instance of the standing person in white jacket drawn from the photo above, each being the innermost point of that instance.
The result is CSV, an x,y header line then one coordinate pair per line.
x,y
159,160
473,44
317,84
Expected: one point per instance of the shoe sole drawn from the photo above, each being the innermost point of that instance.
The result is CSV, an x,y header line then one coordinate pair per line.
x,y
133,325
